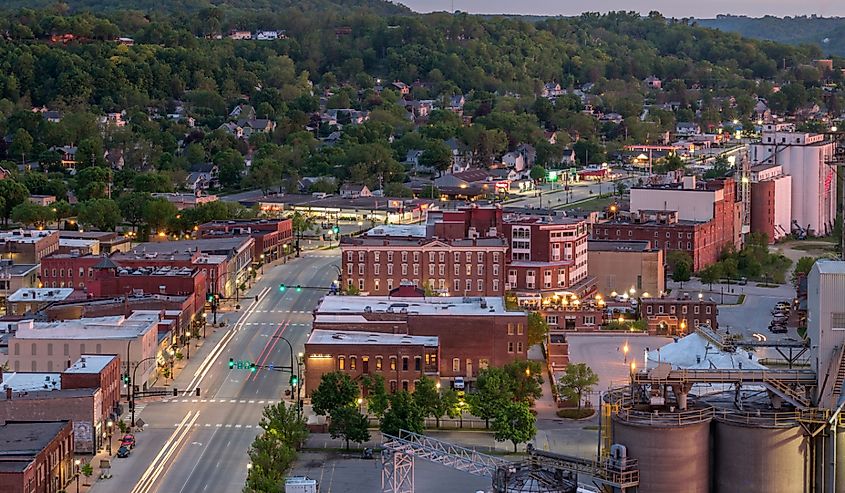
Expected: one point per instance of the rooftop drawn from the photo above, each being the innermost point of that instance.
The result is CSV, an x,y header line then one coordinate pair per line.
x,y
25,235
18,269
415,230
207,245
91,363
24,439
112,327
31,382
40,294
619,246
438,305
368,338
831,266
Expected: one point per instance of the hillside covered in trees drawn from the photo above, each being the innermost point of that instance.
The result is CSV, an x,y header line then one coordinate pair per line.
x,y
828,33
114,102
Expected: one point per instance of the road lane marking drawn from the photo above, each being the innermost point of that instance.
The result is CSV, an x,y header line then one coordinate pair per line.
x,y
174,447
142,484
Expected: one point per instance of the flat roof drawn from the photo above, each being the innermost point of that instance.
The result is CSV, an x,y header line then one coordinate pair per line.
x,y
27,438
185,246
437,305
31,382
40,294
19,269
91,363
112,327
320,336
416,230
25,235
831,266
619,246
77,242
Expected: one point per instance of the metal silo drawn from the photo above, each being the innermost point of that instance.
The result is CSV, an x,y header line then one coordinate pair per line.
x,y
673,448
758,449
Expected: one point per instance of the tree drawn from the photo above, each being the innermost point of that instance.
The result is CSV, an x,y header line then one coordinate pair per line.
x,y
21,144
336,390
132,205
711,274
538,329
99,214
377,397
30,214
158,213
730,268
403,414
437,155
526,380
538,173
397,190
449,404
681,265
270,459
802,268
284,423
493,390
577,380
13,194
349,424
515,423
427,398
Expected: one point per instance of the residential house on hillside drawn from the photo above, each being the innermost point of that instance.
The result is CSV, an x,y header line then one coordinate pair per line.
x,y
115,158
50,116
460,155
653,82
456,104
240,35
550,136
68,155
412,161
404,89
552,90
354,191
202,177
568,158
269,35
242,112
687,129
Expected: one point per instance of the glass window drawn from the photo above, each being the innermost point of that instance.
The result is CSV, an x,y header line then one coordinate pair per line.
x,y
378,362
341,363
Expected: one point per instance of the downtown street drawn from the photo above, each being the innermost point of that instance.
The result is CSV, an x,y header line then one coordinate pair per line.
x,y
193,443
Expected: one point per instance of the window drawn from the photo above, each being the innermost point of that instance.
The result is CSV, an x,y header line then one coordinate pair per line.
x,y
431,257
480,285
376,256
442,257
360,284
379,361
393,386
457,285
695,309
376,269
360,269
404,256
375,284
349,256
495,257
404,363
495,285
405,385
352,362
341,363
416,256
661,309
469,269
457,270
495,269
480,257
684,309
404,269
49,349
389,269
550,319
34,349
469,256
469,285
590,319
389,284
480,270
707,309
349,269
510,329
390,256
416,269
483,363
393,362
510,346
519,328
519,347
456,365
417,363
441,269
672,309
361,256
82,272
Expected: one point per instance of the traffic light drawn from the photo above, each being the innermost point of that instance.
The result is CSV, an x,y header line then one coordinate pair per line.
x,y
210,298
298,289
252,367
294,380
231,363
336,229
126,378
282,287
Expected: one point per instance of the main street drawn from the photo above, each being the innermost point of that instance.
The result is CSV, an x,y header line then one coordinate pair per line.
x,y
193,444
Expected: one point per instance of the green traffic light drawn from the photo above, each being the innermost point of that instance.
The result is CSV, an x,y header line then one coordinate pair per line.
x,y
252,367
231,363
294,380
282,287
298,289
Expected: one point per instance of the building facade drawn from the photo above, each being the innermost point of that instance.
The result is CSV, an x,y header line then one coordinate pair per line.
x,y
28,246
36,457
273,237
619,266
678,316
771,201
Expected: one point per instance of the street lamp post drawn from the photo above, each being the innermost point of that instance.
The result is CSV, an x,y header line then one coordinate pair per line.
x,y
188,336
76,463
294,396
109,426
132,387
204,323
262,264
625,352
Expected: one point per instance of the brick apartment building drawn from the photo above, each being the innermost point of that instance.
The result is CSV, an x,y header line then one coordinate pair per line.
x,y
678,316
701,219
35,457
472,333
273,237
547,254
401,359
28,246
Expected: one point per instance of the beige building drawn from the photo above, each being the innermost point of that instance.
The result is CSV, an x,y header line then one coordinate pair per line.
x,y
619,266
17,276
53,346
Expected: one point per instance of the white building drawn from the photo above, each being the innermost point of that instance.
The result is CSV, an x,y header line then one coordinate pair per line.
x,y
771,201
804,157
826,327
692,202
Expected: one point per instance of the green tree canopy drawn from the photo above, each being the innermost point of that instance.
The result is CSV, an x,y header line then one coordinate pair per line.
x,y
403,414
515,423
348,424
577,380
29,214
99,214
336,390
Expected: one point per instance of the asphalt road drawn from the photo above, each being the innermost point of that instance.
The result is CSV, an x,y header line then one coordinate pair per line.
x,y
196,444
556,197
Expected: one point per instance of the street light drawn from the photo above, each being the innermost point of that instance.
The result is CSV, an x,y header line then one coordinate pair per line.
x,y
188,336
361,405
110,425
76,463
625,351
633,367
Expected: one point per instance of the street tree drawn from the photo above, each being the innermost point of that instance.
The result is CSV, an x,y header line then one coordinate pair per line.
x,y
159,214
336,390
538,173
427,397
99,214
515,423
403,414
13,194
377,397
538,329
711,274
526,380
284,423
493,390
132,205
577,380
270,459
30,214
802,268
349,424
448,404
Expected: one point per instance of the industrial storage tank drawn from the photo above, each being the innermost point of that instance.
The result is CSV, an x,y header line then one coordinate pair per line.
x,y
758,449
673,448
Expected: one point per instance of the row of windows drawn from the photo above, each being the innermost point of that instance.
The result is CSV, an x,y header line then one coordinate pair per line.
x,y
441,284
441,256
430,360
661,309
61,272
441,269
66,349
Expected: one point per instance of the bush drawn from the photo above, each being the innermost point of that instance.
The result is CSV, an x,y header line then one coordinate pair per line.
x,y
575,413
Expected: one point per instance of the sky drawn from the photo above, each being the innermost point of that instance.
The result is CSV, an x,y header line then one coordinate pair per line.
x,y
669,8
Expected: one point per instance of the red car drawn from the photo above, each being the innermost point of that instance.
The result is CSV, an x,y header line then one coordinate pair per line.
x,y
128,441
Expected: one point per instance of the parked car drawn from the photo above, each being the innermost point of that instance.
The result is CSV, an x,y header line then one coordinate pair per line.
x,y
123,452
128,440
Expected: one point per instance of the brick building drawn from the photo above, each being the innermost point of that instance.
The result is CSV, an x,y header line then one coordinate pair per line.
x,y
678,316
97,371
28,246
771,201
547,254
619,266
377,265
273,237
35,457
473,333
401,359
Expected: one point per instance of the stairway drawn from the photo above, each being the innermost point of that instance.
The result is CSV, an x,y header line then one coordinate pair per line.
x,y
840,377
788,393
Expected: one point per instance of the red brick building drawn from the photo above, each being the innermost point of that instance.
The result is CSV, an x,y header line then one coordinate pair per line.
x,y
95,371
35,457
24,246
401,359
678,315
273,237
472,333
547,254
